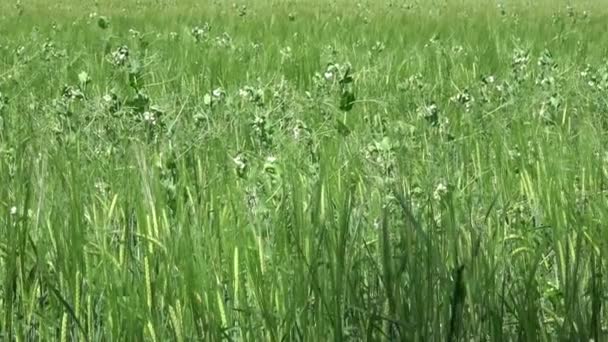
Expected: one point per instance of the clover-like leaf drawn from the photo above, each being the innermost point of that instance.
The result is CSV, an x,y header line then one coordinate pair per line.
x,y
103,22
347,100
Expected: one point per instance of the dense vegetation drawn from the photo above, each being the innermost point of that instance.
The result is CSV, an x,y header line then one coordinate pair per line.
x,y
381,170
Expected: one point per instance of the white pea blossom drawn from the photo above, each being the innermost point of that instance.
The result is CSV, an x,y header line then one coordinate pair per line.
x,y
440,191
149,117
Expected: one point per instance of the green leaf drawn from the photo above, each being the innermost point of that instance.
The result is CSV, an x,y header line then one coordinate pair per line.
x,y
347,100
342,128
103,22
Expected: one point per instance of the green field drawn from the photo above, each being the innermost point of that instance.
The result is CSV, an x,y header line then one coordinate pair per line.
x,y
303,170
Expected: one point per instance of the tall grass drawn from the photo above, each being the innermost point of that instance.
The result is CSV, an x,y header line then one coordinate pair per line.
x,y
219,186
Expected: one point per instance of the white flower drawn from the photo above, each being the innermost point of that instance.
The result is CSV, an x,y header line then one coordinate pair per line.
x,y
240,164
120,56
286,53
440,191
270,166
489,79
239,160
244,93
377,223
13,210
297,132
431,110
149,117
218,92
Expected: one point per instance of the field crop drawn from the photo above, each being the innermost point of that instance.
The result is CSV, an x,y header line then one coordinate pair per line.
x,y
303,170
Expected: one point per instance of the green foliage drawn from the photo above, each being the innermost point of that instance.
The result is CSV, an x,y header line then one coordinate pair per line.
x,y
381,170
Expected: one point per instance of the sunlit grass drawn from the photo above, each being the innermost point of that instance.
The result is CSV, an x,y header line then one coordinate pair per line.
x,y
299,171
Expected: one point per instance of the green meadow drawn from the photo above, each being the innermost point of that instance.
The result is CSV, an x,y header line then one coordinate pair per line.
x,y
303,170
